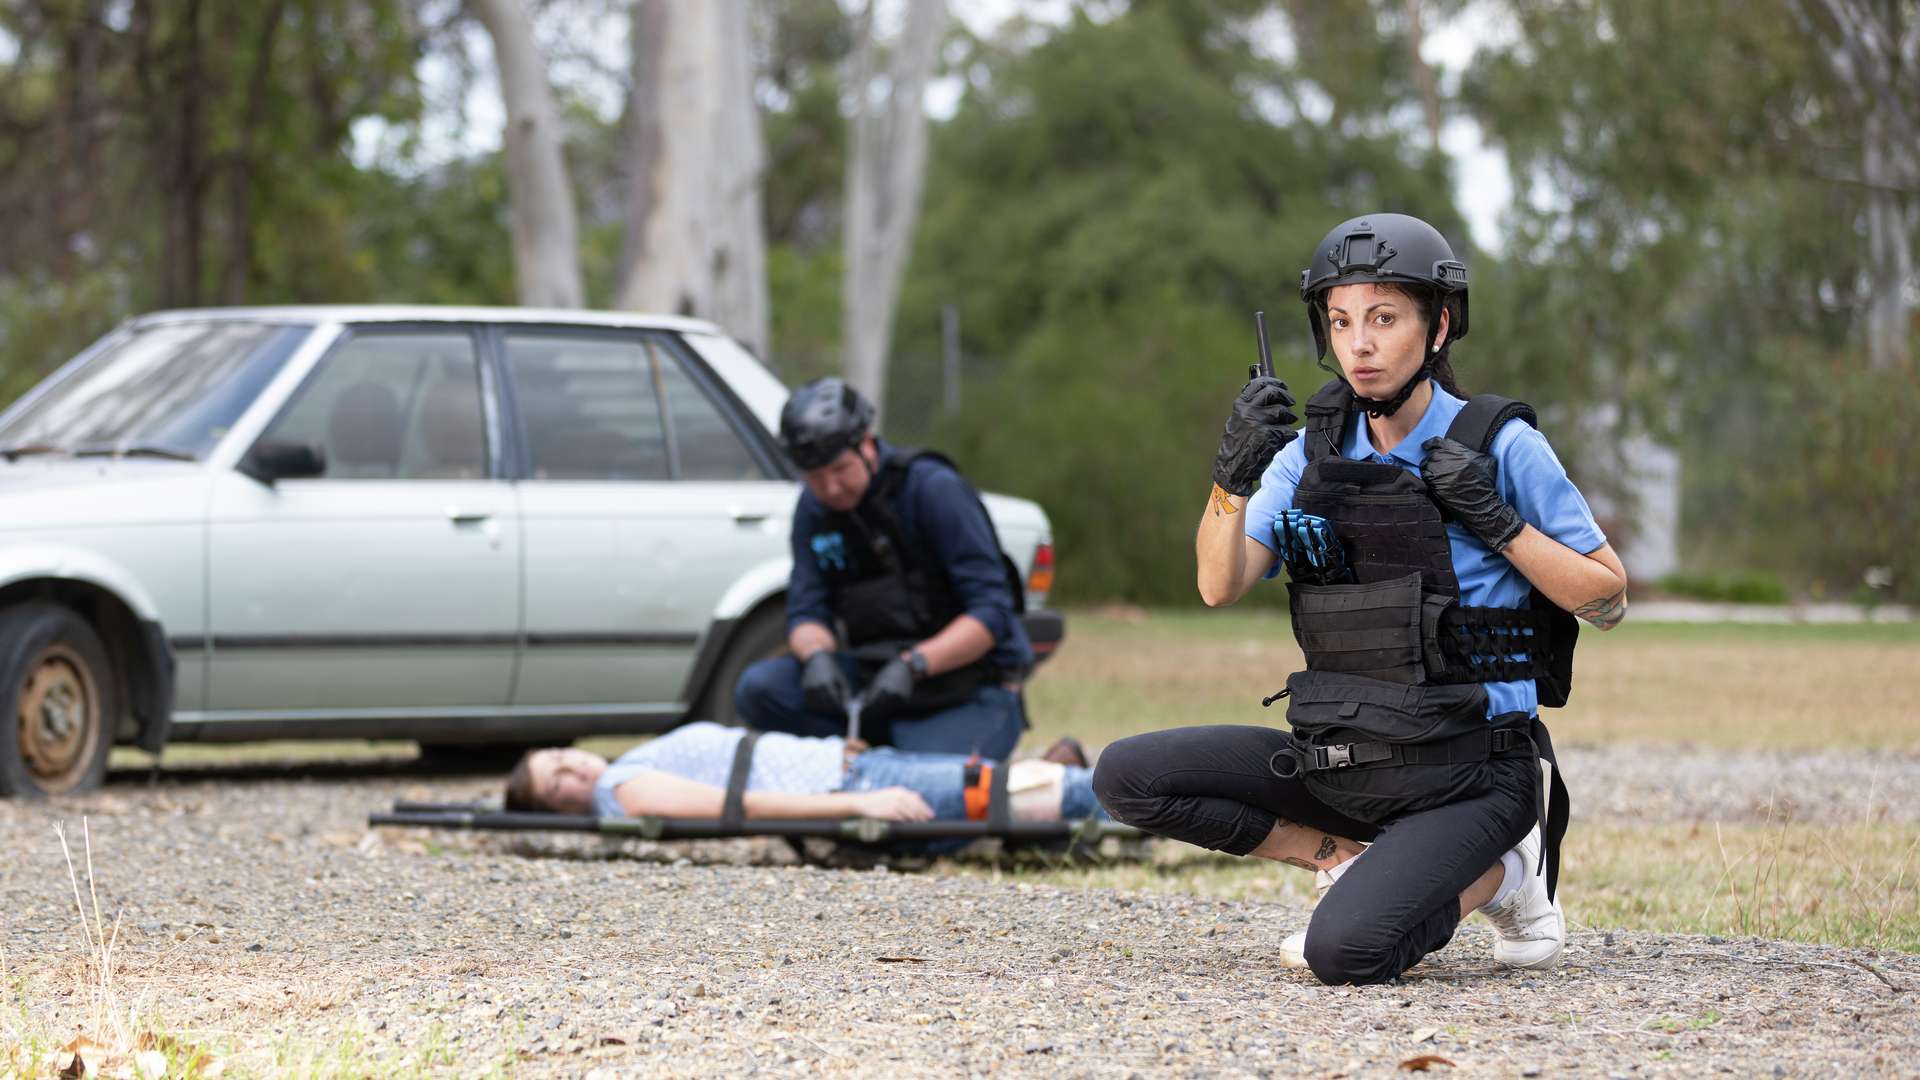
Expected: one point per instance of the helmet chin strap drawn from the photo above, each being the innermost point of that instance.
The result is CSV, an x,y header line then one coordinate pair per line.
x,y
1377,407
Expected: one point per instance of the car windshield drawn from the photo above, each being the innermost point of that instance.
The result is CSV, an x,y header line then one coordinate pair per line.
x,y
169,390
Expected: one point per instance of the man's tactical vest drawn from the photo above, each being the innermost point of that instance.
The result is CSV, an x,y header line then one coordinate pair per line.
x,y
1402,622
892,592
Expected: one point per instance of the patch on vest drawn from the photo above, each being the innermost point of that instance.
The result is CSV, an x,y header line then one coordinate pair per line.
x,y
830,551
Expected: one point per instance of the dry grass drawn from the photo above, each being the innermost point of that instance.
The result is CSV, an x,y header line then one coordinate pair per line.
x,y
1840,885
1712,684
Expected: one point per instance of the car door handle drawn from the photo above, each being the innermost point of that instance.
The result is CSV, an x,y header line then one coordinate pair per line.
x,y
463,517
743,516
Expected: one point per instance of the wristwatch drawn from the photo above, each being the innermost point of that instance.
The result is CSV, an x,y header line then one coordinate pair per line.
x,y
917,664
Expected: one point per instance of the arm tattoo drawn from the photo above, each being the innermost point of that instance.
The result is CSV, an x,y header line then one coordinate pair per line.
x,y
1605,614
1326,849
1301,863
1222,502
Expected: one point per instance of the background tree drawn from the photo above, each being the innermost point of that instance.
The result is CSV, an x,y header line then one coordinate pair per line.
x,y
546,245
885,174
696,239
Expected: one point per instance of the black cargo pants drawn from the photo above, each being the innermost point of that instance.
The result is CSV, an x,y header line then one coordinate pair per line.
x,y
1212,787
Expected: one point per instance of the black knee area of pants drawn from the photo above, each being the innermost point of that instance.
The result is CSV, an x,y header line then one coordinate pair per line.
x,y
759,684
1340,959
1121,777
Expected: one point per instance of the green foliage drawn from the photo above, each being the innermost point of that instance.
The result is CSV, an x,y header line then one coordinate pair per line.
x,y
1106,211
1734,587
1696,264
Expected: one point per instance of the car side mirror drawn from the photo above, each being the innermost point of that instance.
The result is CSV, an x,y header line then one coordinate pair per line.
x,y
271,460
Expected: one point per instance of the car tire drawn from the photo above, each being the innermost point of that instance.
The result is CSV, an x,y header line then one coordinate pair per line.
x,y
62,702
761,636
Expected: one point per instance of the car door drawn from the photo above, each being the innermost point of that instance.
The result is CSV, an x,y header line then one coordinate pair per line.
x,y
643,501
388,585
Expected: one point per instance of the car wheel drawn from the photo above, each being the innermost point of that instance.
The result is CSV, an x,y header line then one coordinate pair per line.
x,y
763,635
62,701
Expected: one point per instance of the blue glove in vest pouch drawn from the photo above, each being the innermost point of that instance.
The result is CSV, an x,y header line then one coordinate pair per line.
x,y
1375,750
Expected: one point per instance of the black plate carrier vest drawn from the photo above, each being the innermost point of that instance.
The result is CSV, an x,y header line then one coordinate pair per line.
x,y
904,595
1402,621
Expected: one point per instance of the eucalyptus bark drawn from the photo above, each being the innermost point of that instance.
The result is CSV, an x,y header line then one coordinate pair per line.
x,y
695,241
884,181
1873,52
546,257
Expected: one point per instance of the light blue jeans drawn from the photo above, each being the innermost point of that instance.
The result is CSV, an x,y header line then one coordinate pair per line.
x,y
941,779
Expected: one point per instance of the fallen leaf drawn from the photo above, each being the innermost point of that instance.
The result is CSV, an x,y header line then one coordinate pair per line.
x,y
151,1064
1425,1033
900,959
1424,1062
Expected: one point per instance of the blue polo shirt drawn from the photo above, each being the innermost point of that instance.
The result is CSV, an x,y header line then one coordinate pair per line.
x,y
1531,478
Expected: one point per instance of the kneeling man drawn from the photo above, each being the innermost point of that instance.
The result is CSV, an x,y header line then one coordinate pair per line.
x,y
896,547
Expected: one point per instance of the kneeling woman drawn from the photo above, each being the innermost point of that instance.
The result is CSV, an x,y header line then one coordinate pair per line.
x,y
684,774
1437,554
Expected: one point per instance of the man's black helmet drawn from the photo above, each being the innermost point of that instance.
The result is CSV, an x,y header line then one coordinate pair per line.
x,y
1384,247
823,419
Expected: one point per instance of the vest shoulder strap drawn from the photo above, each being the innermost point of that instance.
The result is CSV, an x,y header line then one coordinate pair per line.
x,y
1328,412
1484,416
894,474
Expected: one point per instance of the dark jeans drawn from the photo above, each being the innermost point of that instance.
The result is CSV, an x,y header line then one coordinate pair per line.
x,y
988,723
1211,786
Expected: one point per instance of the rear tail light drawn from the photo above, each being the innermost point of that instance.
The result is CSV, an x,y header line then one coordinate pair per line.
x,y
1040,578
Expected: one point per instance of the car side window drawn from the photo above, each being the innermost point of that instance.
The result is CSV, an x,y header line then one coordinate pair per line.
x,y
393,406
590,405
710,448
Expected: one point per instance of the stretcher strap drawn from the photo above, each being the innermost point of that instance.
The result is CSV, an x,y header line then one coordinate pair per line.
x,y
999,813
733,811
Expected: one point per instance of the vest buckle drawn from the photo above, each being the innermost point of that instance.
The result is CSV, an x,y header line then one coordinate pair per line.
x,y
1333,757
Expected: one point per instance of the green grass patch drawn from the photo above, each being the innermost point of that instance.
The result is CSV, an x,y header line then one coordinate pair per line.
x,y
1124,671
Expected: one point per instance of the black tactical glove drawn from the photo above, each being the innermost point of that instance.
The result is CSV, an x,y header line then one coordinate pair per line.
x,y
1260,425
1465,483
823,684
890,689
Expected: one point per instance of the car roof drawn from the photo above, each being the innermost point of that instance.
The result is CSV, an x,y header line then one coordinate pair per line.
x,y
415,313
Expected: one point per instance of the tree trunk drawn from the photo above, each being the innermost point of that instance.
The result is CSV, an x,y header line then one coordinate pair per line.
x,y
1423,73
546,256
1873,51
884,180
240,172
695,240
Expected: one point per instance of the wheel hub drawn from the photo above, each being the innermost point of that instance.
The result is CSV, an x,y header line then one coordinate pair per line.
x,y
58,711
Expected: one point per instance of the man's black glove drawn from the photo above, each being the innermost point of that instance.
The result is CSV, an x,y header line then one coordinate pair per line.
x,y
823,684
1465,482
1260,425
890,689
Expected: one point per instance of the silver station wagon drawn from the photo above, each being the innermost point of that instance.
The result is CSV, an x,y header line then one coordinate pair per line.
x,y
456,525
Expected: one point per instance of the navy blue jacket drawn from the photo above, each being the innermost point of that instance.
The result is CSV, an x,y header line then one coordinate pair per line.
x,y
940,516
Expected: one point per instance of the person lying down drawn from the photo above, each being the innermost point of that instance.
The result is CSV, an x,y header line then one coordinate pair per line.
x,y
683,774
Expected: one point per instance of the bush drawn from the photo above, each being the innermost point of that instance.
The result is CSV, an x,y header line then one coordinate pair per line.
x,y
1736,587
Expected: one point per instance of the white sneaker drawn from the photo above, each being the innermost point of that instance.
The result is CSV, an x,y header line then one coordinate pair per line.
x,y
1293,951
1529,930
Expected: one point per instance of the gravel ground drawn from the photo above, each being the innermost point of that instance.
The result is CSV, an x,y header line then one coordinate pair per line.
x,y
260,912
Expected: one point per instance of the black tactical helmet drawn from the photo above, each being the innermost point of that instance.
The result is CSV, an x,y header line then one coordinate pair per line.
x,y
822,419
1384,247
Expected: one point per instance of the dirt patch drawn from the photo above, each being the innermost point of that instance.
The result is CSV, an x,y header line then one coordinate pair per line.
x,y
262,916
